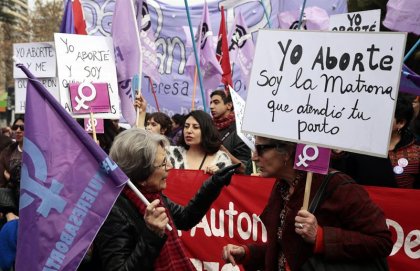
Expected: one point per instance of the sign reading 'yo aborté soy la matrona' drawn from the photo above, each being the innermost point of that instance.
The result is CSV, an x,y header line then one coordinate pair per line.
x,y
331,89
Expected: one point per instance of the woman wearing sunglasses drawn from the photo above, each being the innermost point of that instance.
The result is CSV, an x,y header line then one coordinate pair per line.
x,y
346,227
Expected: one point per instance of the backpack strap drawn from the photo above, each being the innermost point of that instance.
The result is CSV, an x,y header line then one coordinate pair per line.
x,y
321,192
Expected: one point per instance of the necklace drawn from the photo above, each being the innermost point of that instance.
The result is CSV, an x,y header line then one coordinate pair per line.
x,y
19,149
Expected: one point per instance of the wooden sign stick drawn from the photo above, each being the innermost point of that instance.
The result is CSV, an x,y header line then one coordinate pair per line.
x,y
307,191
92,123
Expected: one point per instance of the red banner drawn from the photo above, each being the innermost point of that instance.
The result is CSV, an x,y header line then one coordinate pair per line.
x,y
233,218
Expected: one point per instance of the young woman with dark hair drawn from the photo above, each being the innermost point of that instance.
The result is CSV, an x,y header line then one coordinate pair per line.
x,y
198,147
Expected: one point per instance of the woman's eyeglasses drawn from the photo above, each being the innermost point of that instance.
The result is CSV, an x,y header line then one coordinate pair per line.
x,y
16,126
261,148
164,164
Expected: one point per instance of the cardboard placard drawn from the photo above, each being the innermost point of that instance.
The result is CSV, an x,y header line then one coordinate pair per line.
x,y
51,84
313,88
38,57
89,59
364,21
89,97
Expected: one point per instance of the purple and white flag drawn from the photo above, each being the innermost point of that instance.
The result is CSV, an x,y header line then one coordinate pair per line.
x,y
68,186
241,48
210,68
127,50
149,57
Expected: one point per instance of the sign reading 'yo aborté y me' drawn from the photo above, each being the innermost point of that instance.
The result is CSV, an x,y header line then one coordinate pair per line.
x,y
331,89
86,59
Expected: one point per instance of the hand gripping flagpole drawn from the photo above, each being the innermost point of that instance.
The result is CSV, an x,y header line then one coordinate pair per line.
x,y
197,61
143,199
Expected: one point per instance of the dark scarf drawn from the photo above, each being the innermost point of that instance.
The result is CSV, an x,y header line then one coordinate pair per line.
x,y
172,256
224,122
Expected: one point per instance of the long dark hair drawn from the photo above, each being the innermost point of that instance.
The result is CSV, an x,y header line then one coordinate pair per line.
x,y
210,137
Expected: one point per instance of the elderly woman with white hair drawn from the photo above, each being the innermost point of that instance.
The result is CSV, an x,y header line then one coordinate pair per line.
x,y
133,236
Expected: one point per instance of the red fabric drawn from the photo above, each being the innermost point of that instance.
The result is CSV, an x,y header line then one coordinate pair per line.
x,y
222,53
172,256
411,171
224,122
319,242
249,194
79,21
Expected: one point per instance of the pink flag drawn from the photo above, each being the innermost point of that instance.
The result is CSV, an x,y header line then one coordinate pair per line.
x,y
127,55
149,58
241,49
210,67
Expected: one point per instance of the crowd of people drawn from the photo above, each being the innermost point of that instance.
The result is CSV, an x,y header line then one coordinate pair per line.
x,y
345,226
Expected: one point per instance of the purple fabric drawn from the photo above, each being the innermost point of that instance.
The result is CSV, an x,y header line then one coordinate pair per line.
x,y
68,186
149,57
211,70
241,48
127,55
168,25
410,81
403,15
67,24
315,18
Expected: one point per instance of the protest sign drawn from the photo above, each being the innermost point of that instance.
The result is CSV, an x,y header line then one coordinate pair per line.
x,y
313,88
51,84
87,59
239,107
88,97
98,123
364,21
38,57
312,158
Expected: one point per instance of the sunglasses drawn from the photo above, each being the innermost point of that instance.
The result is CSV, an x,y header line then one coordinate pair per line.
x,y
261,148
21,127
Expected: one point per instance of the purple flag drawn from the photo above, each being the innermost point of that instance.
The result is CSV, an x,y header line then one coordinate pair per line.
x,y
149,57
68,186
410,81
210,67
127,50
403,15
67,24
241,49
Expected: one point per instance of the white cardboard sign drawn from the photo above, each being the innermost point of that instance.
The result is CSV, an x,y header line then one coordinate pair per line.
x,y
239,106
364,21
82,58
313,88
51,84
38,57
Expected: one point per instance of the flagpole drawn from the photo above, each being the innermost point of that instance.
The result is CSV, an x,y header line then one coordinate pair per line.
x,y
265,13
92,123
407,56
143,199
140,60
197,61
154,94
194,89
301,14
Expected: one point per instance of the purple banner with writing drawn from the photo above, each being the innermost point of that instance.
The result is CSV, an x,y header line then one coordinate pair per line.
x,y
169,26
68,186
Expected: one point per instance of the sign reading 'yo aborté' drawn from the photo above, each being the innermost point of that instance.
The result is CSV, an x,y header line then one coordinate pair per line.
x,y
86,59
314,88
